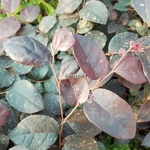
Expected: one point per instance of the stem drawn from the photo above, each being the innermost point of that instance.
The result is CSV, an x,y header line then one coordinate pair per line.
x,y
64,121
113,70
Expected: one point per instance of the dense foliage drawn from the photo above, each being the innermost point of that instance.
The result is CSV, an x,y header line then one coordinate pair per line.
x,y
74,75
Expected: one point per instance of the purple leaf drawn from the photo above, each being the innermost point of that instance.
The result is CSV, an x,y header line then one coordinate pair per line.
x,y
9,26
90,57
112,14
112,27
63,40
130,68
146,141
4,114
144,112
144,55
124,19
111,114
129,85
10,5
68,68
81,125
27,51
29,13
74,90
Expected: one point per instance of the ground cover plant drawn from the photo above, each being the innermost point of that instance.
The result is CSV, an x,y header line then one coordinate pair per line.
x,y
73,77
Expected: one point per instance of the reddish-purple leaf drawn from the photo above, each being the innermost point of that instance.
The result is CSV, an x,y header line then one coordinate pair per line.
x,y
111,114
124,19
144,55
112,27
74,90
129,85
146,141
68,68
63,40
10,5
29,13
90,57
4,114
81,125
144,112
130,69
9,26
27,51
112,14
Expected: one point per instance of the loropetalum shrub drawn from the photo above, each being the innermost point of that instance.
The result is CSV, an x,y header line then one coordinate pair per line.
x,y
53,81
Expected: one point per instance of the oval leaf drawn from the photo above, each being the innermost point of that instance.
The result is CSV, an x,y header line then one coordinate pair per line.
x,y
20,147
24,97
111,114
98,37
112,27
51,103
77,90
142,8
21,69
98,15
9,26
10,5
6,62
130,68
121,40
4,114
4,142
47,23
63,40
81,125
67,6
6,79
29,13
146,141
27,51
90,57
144,54
35,131
144,112
68,68
66,20
77,142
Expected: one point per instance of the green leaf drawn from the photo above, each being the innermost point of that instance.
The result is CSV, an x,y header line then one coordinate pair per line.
x,y
38,132
6,79
142,30
121,40
39,87
42,39
66,20
98,37
125,2
48,8
84,26
39,73
120,7
4,142
67,6
20,147
24,97
50,85
21,69
98,15
5,61
51,103
77,142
